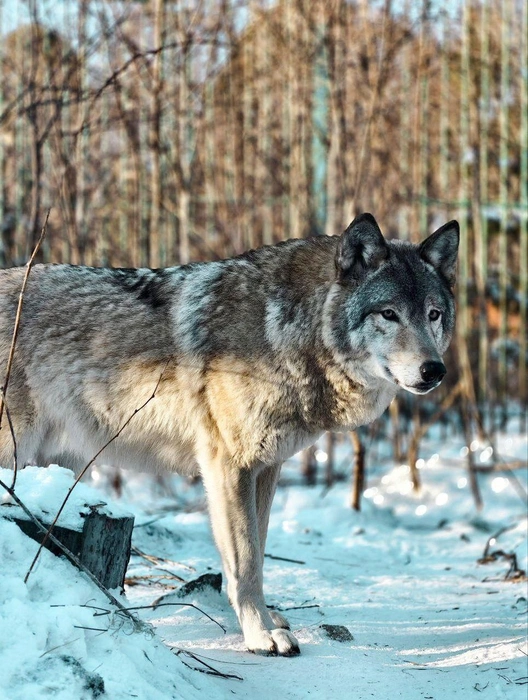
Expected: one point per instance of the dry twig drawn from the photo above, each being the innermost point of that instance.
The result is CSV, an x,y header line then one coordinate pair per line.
x,y
292,561
156,561
149,579
155,606
514,573
209,670
14,337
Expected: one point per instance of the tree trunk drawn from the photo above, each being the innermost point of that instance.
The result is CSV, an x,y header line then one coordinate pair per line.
x,y
155,140
359,470
102,543
309,466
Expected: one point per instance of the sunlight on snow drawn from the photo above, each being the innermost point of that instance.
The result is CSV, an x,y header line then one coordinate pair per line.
x,y
406,488
487,653
499,484
486,454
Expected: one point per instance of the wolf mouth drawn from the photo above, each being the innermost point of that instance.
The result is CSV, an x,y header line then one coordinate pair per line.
x,y
424,387
421,388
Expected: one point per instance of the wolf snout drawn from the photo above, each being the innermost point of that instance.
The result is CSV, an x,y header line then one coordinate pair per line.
x,y
432,372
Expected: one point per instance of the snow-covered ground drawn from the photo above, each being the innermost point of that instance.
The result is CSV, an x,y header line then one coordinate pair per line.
x,y
402,576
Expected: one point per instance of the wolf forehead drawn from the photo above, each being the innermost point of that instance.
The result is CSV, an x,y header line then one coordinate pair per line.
x,y
405,278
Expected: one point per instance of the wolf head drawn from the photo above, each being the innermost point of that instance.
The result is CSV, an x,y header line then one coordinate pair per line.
x,y
394,309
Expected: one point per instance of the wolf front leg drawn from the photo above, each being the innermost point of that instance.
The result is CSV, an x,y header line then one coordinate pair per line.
x,y
267,480
231,493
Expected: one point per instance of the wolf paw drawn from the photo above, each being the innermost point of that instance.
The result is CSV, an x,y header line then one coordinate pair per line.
x,y
279,620
276,642
286,643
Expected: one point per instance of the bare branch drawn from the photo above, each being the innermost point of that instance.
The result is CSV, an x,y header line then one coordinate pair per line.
x,y
208,669
13,437
14,338
155,606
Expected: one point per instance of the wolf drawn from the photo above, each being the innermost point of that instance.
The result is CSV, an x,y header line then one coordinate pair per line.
x,y
247,360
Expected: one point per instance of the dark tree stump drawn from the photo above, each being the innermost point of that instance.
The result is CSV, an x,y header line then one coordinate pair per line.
x,y
102,543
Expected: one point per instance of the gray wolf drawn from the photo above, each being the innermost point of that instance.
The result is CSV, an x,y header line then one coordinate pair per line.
x,y
258,355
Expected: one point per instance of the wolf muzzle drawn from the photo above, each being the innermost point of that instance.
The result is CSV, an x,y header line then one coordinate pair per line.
x,y
432,374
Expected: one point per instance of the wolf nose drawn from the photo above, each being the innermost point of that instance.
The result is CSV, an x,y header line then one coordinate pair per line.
x,y
432,371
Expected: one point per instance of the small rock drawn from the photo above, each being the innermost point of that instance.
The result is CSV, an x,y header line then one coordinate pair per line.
x,y
338,633
202,583
92,681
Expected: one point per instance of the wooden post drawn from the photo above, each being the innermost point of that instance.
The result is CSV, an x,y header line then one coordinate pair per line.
x,y
359,470
102,542
394,411
309,466
330,459
414,444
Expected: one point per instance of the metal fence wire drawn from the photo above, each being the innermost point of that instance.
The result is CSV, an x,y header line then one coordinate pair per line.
x,y
161,132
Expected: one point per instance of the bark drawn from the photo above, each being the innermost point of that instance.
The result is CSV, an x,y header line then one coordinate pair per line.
x,y
102,544
359,470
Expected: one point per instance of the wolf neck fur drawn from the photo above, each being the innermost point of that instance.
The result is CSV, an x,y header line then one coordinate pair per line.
x,y
343,391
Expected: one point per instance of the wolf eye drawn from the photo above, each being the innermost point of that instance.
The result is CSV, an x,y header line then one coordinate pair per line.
x,y
389,315
434,314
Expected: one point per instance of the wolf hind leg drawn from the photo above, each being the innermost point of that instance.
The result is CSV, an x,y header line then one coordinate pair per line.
x,y
28,441
231,493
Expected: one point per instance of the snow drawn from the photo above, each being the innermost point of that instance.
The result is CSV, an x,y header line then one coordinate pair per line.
x,y
403,576
43,490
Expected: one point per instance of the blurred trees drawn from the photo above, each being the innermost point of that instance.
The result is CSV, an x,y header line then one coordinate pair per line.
x,y
165,131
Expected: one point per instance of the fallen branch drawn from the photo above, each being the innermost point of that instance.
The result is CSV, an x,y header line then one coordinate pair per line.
x,y
48,651
292,561
149,579
93,629
209,670
85,469
514,573
14,338
162,605
155,560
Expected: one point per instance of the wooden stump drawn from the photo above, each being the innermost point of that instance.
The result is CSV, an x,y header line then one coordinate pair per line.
x,y
102,543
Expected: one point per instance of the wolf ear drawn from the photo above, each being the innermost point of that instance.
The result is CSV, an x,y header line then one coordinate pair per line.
x,y
361,249
441,248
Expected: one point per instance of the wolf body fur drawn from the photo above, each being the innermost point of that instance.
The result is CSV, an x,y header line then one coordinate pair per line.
x,y
258,355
